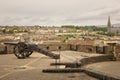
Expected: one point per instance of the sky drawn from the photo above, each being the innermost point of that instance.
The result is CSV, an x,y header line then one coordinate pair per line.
x,y
59,12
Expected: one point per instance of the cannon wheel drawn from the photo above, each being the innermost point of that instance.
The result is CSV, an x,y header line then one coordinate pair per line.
x,y
29,53
21,51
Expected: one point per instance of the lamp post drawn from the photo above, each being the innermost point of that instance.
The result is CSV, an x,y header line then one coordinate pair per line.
x,y
59,51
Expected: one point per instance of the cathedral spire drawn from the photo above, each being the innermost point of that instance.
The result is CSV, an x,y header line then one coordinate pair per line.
x,y
109,24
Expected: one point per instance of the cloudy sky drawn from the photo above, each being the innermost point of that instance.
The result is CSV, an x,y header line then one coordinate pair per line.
x,y
58,12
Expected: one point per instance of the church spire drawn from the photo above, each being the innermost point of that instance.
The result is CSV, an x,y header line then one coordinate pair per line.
x,y
109,24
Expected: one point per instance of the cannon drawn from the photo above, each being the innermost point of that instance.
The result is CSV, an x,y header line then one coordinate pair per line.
x,y
23,50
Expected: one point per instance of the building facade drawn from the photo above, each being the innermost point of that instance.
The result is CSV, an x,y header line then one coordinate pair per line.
x,y
112,29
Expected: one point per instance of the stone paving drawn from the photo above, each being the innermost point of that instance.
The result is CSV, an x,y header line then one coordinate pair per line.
x,y
109,68
31,68
71,56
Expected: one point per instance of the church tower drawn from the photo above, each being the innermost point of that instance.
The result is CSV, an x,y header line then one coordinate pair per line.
x,y
109,24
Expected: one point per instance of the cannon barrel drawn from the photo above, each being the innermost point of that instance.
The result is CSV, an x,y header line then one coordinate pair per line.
x,y
47,52
34,47
11,43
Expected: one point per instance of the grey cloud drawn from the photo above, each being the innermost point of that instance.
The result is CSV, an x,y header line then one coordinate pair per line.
x,y
57,12
111,12
85,19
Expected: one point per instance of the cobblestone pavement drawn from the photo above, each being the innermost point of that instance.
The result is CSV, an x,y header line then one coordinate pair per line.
x,y
31,68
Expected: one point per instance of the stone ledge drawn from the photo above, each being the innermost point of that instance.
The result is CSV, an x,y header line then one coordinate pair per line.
x,y
101,76
101,58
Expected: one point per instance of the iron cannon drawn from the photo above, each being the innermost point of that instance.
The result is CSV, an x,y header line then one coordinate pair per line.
x,y
23,50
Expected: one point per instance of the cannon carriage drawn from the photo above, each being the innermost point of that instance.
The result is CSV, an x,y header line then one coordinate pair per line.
x,y
23,50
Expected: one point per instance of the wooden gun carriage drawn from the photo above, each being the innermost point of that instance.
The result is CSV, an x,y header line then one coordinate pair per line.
x,y
23,50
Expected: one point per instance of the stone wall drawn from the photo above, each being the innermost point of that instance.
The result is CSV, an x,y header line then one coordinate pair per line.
x,y
117,52
80,48
94,59
3,49
55,47
103,49
86,48
73,47
10,49
91,49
